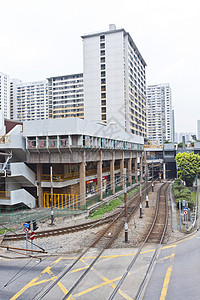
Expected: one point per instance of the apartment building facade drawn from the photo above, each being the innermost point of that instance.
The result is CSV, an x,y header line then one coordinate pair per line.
x,y
65,96
159,113
5,95
114,80
30,100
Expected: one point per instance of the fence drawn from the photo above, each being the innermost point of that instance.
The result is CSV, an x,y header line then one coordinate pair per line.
x,y
62,201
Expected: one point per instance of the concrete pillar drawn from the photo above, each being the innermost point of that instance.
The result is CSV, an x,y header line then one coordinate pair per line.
x,y
122,170
164,171
136,168
112,173
82,181
130,169
99,177
39,187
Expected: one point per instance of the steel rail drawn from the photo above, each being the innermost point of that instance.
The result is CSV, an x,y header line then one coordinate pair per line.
x,y
106,245
139,251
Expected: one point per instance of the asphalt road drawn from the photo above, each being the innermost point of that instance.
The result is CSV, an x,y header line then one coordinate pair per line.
x,y
176,274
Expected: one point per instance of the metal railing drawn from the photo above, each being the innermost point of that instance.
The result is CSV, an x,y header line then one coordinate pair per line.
x,y
4,195
60,177
69,201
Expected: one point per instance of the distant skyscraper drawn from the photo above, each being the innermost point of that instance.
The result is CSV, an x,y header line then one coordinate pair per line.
x,y
173,126
30,101
159,113
114,80
5,95
65,95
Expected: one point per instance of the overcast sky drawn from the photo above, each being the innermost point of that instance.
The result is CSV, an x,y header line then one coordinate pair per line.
x,y
42,38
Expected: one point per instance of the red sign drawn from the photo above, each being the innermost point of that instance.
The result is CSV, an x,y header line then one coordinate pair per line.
x,y
91,181
185,212
26,229
32,235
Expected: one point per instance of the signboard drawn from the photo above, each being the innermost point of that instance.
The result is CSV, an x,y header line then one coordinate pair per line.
x,y
185,212
32,236
185,208
26,225
87,141
26,229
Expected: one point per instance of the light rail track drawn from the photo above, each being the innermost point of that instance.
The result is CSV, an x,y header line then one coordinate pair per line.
x,y
102,242
67,230
155,234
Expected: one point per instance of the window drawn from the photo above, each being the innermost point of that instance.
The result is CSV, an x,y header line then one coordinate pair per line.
x,y
102,38
103,67
103,74
103,95
103,117
103,81
103,109
102,46
103,102
103,59
102,52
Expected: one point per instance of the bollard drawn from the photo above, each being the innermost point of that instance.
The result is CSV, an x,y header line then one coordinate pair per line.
x,y
147,201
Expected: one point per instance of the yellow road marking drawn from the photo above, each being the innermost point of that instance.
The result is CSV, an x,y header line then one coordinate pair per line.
x,y
167,278
106,281
33,281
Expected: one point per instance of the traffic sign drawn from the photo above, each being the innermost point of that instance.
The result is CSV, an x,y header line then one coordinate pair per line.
x,y
26,229
32,235
185,212
185,208
26,225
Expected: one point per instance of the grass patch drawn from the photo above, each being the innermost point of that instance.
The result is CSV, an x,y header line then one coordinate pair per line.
x,y
106,207
2,231
109,206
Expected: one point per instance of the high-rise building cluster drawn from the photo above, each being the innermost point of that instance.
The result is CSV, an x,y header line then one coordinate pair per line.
x,y
111,89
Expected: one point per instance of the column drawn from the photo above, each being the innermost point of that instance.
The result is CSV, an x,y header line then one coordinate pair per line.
x,y
39,186
112,173
122,170
130,169
99,176
164,171
82,181
136,168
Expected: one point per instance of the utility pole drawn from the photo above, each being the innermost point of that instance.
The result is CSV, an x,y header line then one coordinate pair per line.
x,y
51,174
152,176
125,209
146,181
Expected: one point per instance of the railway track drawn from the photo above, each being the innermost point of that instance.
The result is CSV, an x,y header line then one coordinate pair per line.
x,y
103,241
156,234
69,229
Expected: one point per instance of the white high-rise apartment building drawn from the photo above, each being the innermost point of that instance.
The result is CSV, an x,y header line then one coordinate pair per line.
x,y
5,95
65,95
13,97
31,101
114,80
159,113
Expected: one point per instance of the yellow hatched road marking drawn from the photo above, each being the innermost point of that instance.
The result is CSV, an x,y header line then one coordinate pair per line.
x,y
34,280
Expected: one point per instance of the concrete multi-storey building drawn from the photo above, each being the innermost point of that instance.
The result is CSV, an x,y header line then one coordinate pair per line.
x,y
87,159
65,96
13,97
30,101
5,95
159,113
114,80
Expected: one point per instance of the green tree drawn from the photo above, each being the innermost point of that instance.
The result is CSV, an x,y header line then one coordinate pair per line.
x,y
189,166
